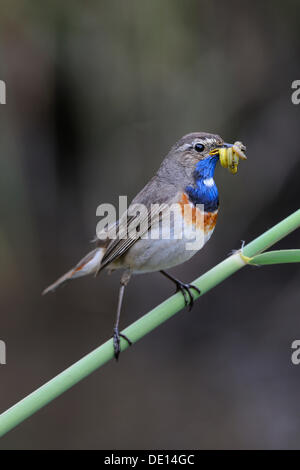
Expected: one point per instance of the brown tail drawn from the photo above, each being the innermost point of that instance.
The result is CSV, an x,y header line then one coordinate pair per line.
x,y
88,265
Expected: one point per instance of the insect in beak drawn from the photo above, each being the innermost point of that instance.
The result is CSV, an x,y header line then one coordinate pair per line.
x,y
230,154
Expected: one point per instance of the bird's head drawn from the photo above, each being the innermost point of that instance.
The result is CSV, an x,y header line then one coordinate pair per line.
x,y
204,150
200,151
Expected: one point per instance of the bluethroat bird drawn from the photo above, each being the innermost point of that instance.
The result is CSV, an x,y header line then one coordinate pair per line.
x,y
184,179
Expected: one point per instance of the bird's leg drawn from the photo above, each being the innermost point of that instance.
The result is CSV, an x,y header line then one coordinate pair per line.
x,y
185,289
117,335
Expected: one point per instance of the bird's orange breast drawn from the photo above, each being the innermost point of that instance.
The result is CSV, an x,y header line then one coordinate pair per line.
x,y
193,216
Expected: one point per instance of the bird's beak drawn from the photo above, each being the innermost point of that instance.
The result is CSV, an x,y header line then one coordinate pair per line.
x,y
215,151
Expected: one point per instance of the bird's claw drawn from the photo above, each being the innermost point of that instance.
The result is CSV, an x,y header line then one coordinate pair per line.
x,y
116,340
185,289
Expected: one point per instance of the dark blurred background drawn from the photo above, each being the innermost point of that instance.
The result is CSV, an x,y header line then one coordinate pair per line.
x,y
97,92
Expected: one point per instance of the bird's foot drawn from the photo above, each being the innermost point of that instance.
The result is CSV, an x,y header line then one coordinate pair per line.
x,y
186,290
116,340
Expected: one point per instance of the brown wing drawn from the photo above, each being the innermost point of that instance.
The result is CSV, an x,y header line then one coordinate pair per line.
x,y
153,193
128,225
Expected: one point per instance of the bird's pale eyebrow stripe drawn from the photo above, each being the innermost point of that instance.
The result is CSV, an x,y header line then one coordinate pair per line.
x,y
185,147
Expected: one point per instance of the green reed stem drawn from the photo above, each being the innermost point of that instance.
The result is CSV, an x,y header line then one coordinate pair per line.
x,y
276,257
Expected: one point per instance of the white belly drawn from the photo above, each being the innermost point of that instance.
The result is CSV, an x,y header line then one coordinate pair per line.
x,y
164,249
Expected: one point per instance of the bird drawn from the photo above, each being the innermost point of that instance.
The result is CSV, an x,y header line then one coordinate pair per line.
x,y
185,182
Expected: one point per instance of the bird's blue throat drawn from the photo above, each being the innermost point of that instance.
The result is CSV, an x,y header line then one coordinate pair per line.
x,y
204,190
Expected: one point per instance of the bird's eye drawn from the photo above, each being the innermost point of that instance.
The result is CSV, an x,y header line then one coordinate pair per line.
x,y
199,147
